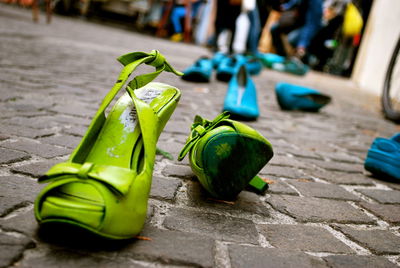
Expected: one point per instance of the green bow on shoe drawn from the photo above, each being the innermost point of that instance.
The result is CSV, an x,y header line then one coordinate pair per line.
x,y
104,186
226,155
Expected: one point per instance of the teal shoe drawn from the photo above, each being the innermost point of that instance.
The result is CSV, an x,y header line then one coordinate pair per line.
x,y
200,71
217,59
293,66
294,97
268,59
226,155
383,158
241,97
229,66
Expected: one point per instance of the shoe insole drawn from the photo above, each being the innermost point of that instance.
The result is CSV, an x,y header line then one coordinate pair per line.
x,y
119,143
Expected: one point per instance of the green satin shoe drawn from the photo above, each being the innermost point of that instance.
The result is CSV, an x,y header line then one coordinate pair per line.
x,y
104,186
226,155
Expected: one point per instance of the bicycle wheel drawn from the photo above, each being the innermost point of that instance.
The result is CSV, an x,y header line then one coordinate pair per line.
x,y
391,89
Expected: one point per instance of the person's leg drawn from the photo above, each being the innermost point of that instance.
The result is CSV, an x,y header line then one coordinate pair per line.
x,y
177,14
294,37
255,30
241,33
277,39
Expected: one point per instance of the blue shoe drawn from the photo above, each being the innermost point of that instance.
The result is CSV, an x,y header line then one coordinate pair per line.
x,y
268,59
293,66
200,71
217,59
383,157
294,97
253,65
241,97
229,66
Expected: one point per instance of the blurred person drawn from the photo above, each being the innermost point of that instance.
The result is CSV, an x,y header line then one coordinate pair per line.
x,y
300,20
325,41
178,13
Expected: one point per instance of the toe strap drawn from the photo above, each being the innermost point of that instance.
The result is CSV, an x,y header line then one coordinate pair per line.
x,y
117,179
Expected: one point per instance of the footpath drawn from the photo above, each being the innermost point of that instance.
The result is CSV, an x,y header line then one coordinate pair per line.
x,y
322,209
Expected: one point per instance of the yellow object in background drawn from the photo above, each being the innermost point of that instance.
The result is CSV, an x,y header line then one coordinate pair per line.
x,y
353,22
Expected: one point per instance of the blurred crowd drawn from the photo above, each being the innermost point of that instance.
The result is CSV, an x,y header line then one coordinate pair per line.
x,y
310,30
313,31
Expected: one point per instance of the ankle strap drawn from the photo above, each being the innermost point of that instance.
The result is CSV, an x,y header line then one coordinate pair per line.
x,y
199,128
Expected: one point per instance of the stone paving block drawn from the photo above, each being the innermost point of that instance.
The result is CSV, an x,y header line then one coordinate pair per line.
x,y
180,171
68,258
178,127
35,169
172,247
171,147
309,209
382,196
164,189
71,120
341,177
12,248
338,166
43,150
286,161
22,131
16,192
75,130
245,201
323,190
257,257
303,238
64,140
37,122
378,241
284,172
346,261
220,227
10,156
24,223
3,137
280,187
73,108
304,154
389,213
341,157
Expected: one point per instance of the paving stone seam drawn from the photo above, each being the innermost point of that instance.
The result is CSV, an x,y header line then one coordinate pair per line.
x,y
262,240
221,256
358,249
378,220
353,189
292,187
362,244
160,212
275,217
17,211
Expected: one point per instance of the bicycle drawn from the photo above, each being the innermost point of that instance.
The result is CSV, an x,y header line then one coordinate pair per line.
x,y
391,89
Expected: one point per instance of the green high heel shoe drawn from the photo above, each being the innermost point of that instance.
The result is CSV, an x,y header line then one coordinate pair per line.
x,y
226,155
104,186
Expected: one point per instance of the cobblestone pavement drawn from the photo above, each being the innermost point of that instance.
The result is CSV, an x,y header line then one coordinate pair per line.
x,y
322,209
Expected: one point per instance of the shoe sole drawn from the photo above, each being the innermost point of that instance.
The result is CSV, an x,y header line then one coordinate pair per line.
x,y
231,160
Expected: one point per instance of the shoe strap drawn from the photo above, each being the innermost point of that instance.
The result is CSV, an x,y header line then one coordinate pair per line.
x,y
199,128
130,61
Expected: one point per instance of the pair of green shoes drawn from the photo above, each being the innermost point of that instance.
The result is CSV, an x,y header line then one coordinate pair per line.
x,y
104,186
